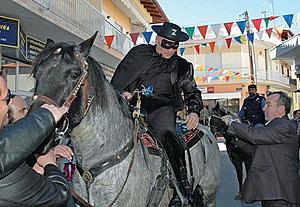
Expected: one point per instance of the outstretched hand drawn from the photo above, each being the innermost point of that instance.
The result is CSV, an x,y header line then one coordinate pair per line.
x,y
57,112
192,121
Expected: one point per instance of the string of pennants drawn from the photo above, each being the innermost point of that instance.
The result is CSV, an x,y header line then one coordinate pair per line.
x,y
203,74
216,28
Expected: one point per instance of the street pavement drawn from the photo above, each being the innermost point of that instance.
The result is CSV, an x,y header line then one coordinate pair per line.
x,y
229,185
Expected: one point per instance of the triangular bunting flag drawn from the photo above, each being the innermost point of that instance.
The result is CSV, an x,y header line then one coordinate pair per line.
x,y
210,69
216,29
279,31
238,39
134,37
182,51
197,48
228,27
241,25
147,36
269,32
260,34
250,37
267,20
204,79
212,46
209,79
109,39
288,19
190,31
243,39
204,44
120,39
227,77
201,67
256,23
273,17
203,30
228,42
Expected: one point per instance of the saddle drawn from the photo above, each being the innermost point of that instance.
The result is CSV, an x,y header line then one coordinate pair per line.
x,y
188,138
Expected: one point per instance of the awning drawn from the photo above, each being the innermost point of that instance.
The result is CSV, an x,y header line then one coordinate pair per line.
x,y
208,96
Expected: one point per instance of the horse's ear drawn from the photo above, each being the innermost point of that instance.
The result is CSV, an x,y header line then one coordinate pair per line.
x,y
86,45
49,43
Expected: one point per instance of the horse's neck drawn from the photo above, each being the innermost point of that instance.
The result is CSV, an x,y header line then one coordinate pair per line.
x,y
103,132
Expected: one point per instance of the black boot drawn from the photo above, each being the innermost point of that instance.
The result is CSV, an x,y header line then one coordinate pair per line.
x,y
185,182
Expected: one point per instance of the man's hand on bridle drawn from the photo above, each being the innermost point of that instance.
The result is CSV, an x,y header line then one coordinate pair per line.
x,y
192,121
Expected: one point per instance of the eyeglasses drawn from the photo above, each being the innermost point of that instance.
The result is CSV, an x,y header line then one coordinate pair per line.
x,y
8,97
169,44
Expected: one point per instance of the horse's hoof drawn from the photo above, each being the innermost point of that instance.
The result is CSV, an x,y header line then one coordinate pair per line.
x,y
175,201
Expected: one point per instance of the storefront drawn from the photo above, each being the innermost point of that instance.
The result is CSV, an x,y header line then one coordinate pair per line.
x,y
17,51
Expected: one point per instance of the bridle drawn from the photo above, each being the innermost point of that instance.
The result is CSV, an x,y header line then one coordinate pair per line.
x,y
73,94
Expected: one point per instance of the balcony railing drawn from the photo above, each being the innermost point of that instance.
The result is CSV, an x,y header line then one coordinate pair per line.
x,y
86,17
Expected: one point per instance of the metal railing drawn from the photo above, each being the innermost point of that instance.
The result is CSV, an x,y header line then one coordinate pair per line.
x,y
86,17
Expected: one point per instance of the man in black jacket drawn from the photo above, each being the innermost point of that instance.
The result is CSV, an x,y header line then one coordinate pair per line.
x,y
273,177
159,67
19,184
252,111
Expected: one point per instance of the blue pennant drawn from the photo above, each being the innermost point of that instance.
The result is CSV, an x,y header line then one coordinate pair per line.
x,y
238,39
289,19
241,25
182,51
250,36
147,36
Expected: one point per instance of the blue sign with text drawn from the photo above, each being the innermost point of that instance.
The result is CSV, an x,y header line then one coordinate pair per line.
x,y
9,32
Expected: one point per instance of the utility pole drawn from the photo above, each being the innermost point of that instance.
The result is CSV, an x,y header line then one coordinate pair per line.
x,y
250,49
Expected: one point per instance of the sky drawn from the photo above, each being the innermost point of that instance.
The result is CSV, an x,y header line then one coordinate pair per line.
x,y
201,12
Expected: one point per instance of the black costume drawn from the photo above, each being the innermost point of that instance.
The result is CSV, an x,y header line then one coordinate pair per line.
x,y
253,112
169,78
19,184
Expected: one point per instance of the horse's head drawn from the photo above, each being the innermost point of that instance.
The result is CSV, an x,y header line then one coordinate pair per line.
x,y
59,71
216,123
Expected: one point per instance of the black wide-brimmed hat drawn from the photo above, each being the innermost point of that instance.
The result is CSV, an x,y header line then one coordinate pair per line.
x,y
170,31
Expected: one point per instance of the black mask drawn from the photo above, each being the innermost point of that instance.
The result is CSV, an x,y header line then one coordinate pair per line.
x,y
251,94
169,44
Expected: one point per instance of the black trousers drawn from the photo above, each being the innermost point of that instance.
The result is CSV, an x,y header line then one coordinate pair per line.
x,y
275,203
163,123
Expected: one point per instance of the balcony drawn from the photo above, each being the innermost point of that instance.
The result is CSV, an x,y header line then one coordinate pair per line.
x,y
83,15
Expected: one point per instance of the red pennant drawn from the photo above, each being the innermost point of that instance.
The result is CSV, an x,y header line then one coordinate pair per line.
x,y
228,27
272,17
212,46
210,69
269,32
256,23
109,39
227,77
203,30
228,42
134,37
197,48
204,78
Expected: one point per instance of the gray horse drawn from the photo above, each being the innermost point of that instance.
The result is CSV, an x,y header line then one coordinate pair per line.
x,y
125,173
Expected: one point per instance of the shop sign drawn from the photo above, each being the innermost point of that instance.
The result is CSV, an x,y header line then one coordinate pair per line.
x,y
9,32
34,47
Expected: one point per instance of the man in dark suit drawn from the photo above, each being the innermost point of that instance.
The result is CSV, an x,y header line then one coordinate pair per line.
x,y
273,177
